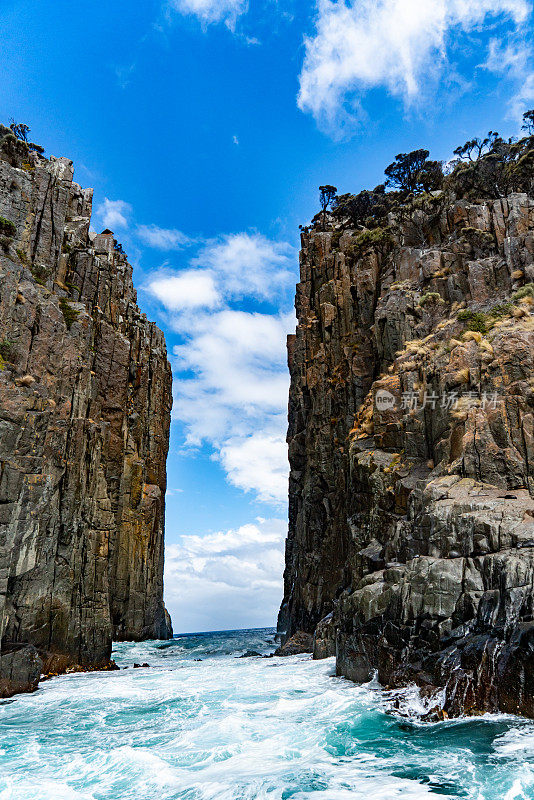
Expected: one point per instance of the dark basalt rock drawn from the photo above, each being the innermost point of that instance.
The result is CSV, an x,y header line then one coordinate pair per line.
x,y
20,669
85,399
411,526
300,642
324,638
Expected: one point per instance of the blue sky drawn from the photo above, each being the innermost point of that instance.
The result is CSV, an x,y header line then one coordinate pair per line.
x,y
205,128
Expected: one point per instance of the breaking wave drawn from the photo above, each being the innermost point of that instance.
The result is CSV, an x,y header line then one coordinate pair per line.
x,y
203,724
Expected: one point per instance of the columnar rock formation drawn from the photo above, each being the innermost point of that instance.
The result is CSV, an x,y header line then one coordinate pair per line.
x,y
411,444
85,398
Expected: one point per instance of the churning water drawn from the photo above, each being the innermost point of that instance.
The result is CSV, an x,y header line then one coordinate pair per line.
x,y
228,728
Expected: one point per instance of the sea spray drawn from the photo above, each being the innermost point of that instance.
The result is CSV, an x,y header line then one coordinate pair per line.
x,y
230,728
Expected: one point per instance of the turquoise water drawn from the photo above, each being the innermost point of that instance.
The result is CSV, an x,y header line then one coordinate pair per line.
x,y
231,728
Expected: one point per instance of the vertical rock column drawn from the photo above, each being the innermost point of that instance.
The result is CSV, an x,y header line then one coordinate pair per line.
x,y
85,399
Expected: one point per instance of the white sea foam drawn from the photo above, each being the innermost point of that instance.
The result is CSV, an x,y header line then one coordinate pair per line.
x,y
228,728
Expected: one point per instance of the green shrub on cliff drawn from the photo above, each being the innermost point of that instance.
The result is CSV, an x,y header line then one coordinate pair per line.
x,y
13,150
334,239
7,350
430,299
5,243
70,314
501,310
377,239
40,273
7,228
526,291
476,321
482,242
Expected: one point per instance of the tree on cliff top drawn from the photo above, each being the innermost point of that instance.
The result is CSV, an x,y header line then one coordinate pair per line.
x,y
362,209
413,173
474,149
528,122
326,196
20,130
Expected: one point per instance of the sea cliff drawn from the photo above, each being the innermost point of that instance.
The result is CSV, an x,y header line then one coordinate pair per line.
x,y
85,399
411,436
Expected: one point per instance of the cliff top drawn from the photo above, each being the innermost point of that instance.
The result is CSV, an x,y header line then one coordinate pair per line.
x,y
482,169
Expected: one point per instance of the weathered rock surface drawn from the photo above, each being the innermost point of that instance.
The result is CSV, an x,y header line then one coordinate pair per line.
x,y
20,669
300,642
85,398
411,538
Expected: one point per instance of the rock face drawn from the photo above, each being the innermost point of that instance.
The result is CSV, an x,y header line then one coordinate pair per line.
x,y
300,642
21,669
85,398
411,444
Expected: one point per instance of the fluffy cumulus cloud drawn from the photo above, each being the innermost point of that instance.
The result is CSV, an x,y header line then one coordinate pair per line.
x,y
401,45
231,381
210,11
238,572
248,264
162,238
114,213
189,289
231,391
258,461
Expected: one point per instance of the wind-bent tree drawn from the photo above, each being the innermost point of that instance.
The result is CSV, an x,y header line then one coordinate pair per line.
x,y
20,130
474,149
326,196
413,173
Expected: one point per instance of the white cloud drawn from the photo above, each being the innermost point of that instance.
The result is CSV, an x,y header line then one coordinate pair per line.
x,y
114,213
397,44
234,394
226,579
210,11
239,360
231,379
248,264
258,461
514,60
188,289
163,238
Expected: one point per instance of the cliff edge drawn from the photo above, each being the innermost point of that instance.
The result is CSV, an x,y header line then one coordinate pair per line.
x,y
85,400
411,434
